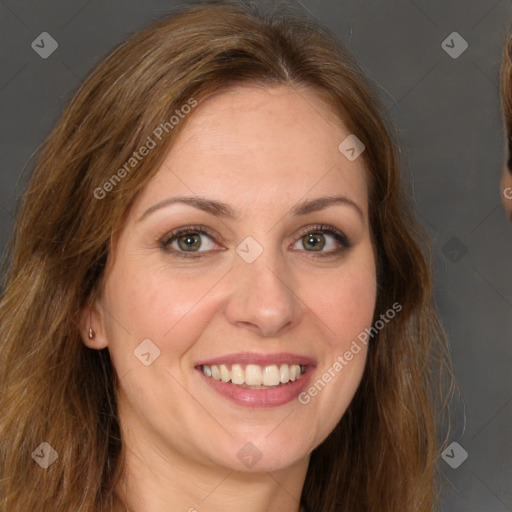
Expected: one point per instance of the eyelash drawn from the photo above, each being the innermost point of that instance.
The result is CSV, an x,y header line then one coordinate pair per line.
x,y
165,242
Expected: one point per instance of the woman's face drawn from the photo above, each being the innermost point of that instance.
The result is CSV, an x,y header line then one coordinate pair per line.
x,y
247,257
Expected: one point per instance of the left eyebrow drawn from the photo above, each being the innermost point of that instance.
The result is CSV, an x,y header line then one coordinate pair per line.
x,y
321,203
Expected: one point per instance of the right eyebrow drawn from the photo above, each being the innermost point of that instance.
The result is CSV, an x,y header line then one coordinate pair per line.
x,y
201,203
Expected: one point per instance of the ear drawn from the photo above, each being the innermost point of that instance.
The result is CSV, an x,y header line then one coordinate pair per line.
x,y
92,317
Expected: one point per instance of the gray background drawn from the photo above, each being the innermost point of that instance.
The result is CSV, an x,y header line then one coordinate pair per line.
x,y
447,113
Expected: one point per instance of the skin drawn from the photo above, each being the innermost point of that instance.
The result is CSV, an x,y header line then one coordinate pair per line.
x,y
506,191
261,151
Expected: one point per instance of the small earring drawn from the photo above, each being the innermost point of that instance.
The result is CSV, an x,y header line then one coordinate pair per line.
x,y
91,334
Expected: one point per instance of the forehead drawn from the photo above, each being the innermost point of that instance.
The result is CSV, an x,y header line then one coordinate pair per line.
x,y
255,114
247,139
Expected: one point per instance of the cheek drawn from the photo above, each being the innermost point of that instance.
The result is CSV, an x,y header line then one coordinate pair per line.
x,y
345,304
151,303
345,308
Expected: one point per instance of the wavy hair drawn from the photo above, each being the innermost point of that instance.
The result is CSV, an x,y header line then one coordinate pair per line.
x,y
506,94
383,454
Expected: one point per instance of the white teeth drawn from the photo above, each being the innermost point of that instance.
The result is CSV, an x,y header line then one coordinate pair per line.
x,y
237,374
215,372
271,375
255,375
225,374
284,373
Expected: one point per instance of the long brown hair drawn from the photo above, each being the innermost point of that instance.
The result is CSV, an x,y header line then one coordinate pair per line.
x,y
506,94
382,456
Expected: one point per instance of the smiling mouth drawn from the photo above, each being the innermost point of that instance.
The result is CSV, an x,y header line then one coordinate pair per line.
x,y
253,376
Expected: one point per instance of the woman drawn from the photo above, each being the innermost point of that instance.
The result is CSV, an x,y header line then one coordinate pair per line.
x,y
506,98
216,297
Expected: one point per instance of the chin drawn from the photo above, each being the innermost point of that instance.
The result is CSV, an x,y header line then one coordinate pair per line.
x,y
262,453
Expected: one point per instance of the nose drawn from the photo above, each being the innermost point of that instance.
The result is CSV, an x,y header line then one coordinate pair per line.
x,y
263,298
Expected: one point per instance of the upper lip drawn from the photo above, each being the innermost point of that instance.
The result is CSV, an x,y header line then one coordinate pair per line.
x,y
259,359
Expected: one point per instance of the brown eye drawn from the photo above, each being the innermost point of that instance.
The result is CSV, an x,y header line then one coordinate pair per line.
x,y
322,239
313,241
189,242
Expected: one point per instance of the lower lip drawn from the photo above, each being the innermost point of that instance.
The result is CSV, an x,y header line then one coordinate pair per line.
x,y
271,397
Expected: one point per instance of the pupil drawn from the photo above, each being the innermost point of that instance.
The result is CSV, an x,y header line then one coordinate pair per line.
x,y
189,241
